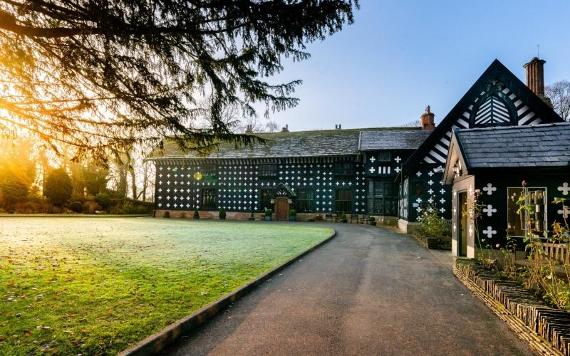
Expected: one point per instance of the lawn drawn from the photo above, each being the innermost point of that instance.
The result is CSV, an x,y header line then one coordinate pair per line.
x,y
98,285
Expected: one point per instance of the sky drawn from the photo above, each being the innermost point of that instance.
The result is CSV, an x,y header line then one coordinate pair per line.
x,y
402,55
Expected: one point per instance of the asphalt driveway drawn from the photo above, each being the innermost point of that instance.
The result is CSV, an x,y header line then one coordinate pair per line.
x,y
369,291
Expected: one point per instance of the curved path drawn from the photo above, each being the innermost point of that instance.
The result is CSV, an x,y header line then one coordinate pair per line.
x,y
368,291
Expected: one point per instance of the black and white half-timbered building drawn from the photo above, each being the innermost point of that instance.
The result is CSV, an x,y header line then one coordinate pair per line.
x,y
392,173
325,172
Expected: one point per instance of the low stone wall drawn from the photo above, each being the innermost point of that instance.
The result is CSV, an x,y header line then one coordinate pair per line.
x,y
386,220
207,215
230,215
547,330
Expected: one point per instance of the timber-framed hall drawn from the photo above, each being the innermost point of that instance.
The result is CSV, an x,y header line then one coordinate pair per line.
x,y
391,173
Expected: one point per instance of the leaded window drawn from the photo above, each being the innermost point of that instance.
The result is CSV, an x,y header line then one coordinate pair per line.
x,y
305,200
382,197
268,171
209,199
384,156
343,201
531,219
265,198
344,169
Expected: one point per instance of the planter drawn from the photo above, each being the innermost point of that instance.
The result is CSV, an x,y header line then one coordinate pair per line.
x,y
292,218
436,243
267,218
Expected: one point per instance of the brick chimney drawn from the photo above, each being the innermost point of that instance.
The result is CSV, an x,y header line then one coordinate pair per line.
x,y
535,76
427,120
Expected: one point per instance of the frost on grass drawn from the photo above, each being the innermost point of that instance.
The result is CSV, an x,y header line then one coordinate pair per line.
x,y
96,286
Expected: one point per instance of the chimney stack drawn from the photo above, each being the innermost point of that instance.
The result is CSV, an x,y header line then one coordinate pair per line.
x,y
535,76
337,127
285,128
427,120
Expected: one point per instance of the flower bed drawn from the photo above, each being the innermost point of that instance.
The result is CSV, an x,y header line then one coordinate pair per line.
x,y
546,329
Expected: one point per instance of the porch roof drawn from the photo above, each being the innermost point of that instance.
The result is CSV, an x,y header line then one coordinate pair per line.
x,y
516,146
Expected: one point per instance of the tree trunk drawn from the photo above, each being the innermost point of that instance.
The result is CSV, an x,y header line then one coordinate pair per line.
x,y
133,181
145,180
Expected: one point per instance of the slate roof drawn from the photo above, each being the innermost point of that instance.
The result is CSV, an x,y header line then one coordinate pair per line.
x,y
296,144
409,139
516,146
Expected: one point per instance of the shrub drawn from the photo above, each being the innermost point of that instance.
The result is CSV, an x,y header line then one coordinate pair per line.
x,y
91,207
13,191
104,200
433,225
222,214
58,187
32,207
134,209
292,215
76,206
196,215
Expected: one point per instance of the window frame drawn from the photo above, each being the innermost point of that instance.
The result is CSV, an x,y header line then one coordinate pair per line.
x,y
268,171
213,199
271,194
343,202
544,210
305,205
344,169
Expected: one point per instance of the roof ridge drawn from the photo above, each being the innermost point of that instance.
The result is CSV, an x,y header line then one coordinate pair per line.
x,y
504,128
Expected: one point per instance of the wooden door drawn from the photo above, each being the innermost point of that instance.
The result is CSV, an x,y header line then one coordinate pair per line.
x,y
463,223
281,209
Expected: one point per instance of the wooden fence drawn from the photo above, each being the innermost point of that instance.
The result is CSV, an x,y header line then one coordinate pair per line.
x,y
558,252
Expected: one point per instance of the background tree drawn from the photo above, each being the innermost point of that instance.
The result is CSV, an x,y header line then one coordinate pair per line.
x,y
58,187
95,177
17,170
559,95
110,73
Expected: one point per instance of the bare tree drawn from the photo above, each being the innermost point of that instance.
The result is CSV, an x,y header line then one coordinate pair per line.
x,y
272,126
559,95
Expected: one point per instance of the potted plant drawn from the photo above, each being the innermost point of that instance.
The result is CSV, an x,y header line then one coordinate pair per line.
x,y
222,214
268,213
342,218
196,215
372,220
292,215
